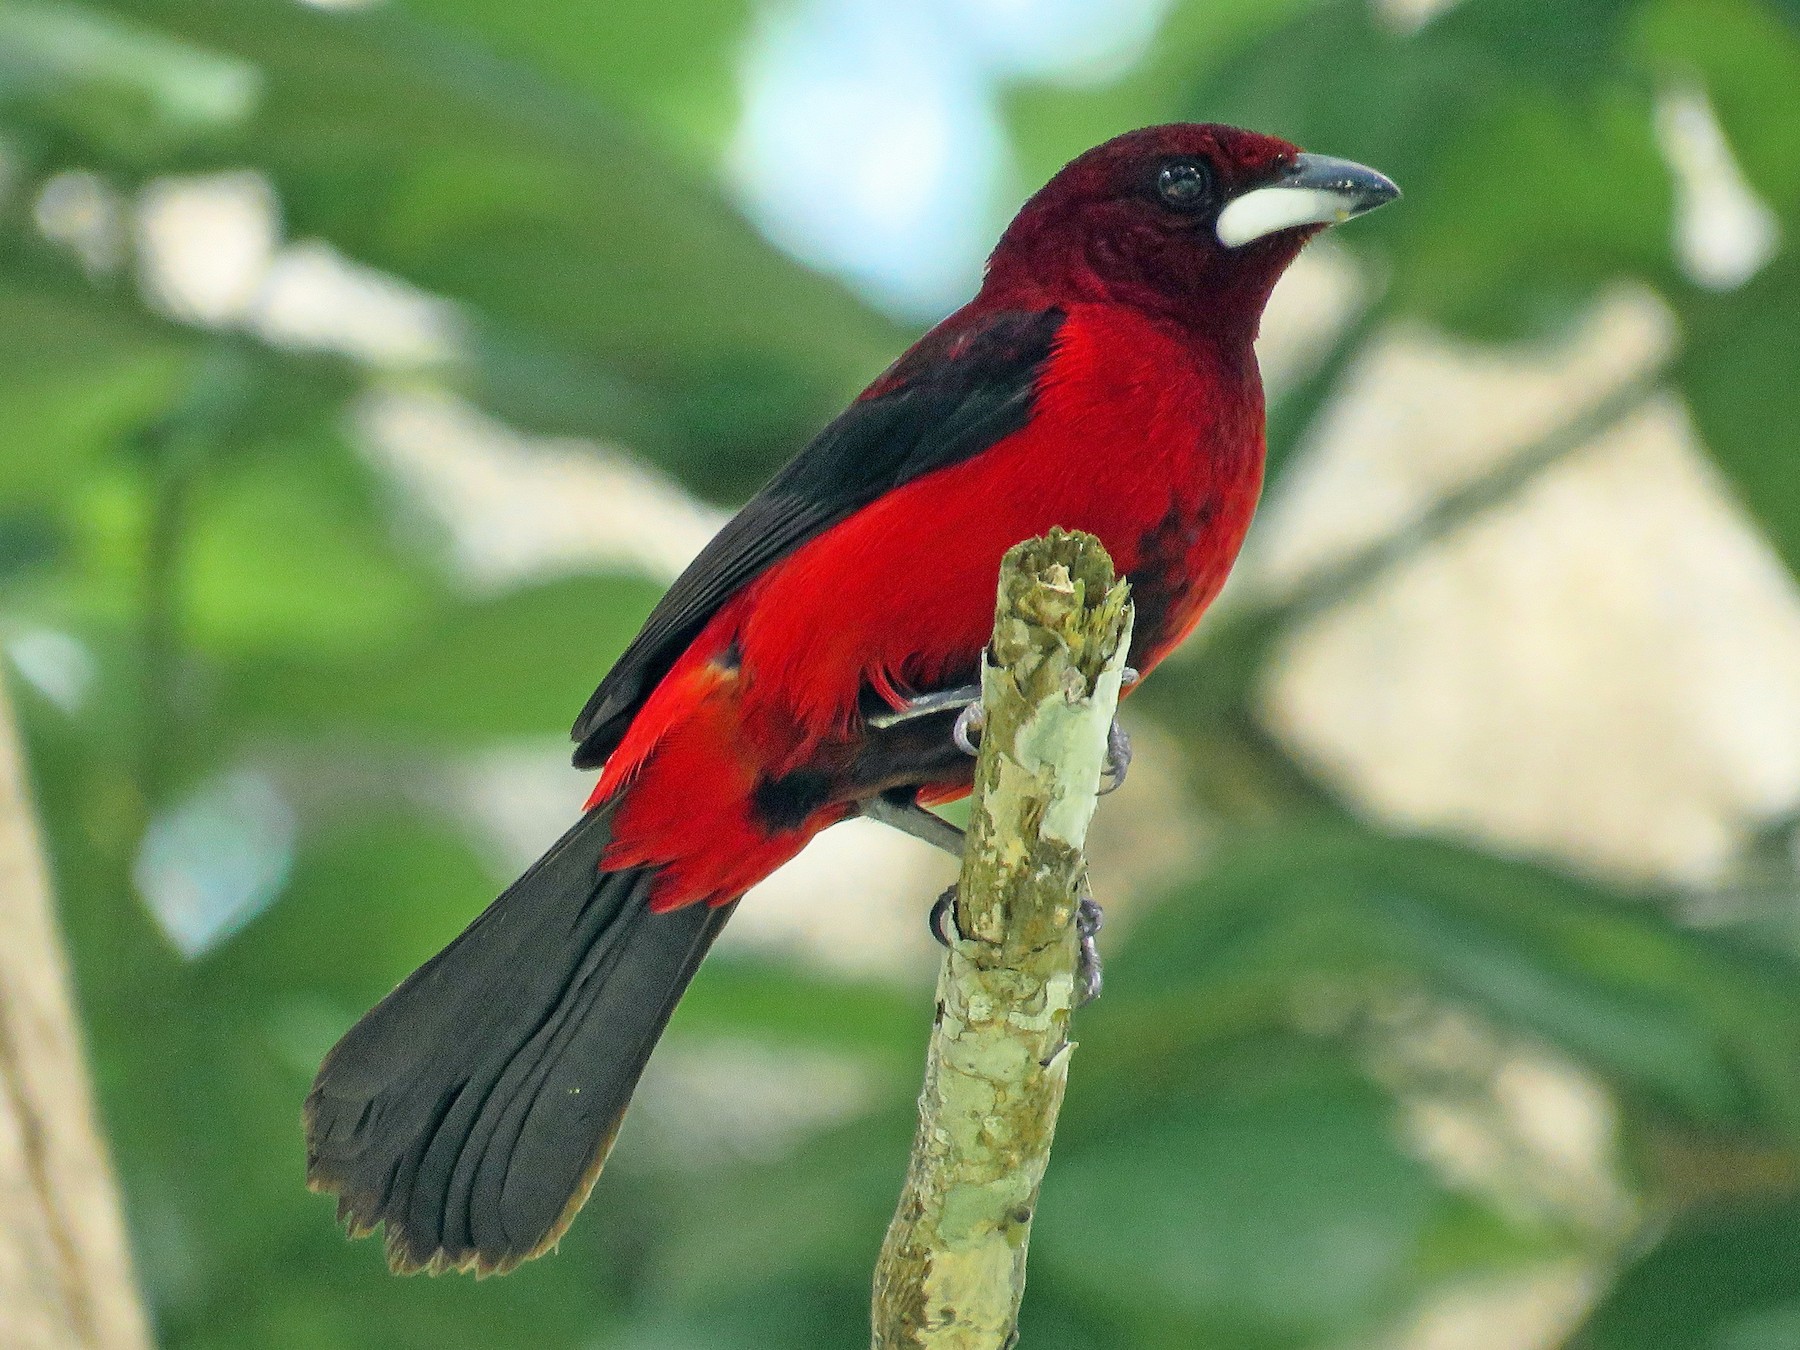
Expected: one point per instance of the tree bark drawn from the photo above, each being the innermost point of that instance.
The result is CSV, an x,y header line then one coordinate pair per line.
x,y
65,1275
952,1270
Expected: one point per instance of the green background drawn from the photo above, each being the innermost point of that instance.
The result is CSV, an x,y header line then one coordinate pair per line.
x,y
189,503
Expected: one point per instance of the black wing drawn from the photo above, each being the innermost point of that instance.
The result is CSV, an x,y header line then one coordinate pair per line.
x,y
949,398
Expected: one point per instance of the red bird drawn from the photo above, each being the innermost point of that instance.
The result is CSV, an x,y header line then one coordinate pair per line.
x,y
1103,379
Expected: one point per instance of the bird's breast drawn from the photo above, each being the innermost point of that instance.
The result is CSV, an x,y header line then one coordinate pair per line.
x,y
1186,473
1136,436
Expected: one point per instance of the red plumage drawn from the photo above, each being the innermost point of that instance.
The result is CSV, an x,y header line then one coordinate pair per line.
x,y
1103,379
1143,434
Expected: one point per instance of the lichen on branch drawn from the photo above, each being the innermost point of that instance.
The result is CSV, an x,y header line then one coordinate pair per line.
x,y
952,1269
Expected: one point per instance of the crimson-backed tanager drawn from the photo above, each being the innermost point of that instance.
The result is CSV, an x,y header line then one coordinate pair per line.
x,y
1103,378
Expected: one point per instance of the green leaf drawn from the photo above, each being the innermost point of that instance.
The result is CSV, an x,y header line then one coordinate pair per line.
x,y
1737,369
76,376
879,1022
1340,77
1747,60
784,1313
1680,1019
1276,1210
1052,123
371,897
519,664
1530,211
1719,1280
673,65
814,1217
1522,140
549,219
292,551
123,89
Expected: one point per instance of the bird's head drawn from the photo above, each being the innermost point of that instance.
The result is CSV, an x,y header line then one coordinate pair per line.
x,y
1196,220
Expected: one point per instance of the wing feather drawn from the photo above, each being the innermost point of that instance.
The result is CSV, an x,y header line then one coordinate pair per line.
x,y
962,388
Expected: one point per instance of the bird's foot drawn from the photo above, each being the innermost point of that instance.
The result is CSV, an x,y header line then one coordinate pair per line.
x,y
1089,918
964,700
1118,759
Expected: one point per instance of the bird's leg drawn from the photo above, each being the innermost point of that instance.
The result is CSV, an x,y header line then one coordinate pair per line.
x,y
910,818
964,700
942,700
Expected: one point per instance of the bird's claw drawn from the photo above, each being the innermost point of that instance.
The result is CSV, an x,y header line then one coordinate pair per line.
x,y
1118,759
1089,918
942,919
967,731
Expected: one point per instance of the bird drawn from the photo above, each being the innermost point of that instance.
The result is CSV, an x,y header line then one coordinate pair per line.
x,y
817,660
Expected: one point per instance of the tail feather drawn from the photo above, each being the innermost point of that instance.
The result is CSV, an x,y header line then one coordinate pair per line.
x,y
470,1111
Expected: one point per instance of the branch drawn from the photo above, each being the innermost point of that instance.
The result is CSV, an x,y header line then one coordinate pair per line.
x,y
65,1277
952,1270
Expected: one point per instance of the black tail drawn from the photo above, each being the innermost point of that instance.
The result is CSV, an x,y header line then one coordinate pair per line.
x,y
471,1110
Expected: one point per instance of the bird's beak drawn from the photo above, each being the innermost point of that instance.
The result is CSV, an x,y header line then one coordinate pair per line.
x,y
1313,190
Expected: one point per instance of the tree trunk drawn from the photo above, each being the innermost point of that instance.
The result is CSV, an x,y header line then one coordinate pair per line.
x,y
65,1275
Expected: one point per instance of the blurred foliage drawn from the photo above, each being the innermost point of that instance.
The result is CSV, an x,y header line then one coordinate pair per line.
x,y
217,577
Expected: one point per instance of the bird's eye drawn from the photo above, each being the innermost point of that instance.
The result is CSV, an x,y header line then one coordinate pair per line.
x,y
1184,185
